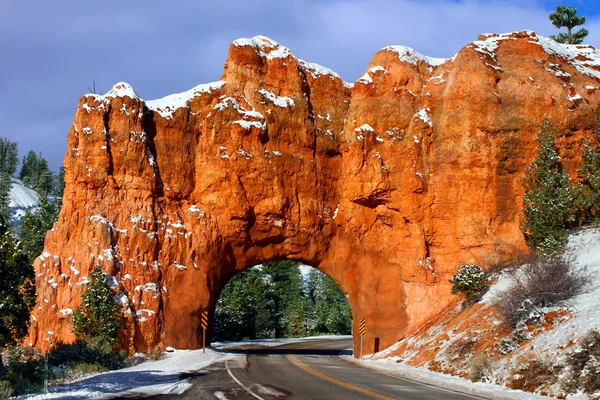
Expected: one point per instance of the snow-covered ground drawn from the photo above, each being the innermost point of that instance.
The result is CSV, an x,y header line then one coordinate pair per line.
x,y
21,198
551,346
164,376
454,383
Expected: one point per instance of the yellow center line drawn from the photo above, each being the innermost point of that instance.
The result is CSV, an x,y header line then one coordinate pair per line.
x,y
330,379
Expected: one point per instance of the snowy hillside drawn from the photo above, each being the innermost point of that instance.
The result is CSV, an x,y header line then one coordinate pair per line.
x,y
21,198
476,338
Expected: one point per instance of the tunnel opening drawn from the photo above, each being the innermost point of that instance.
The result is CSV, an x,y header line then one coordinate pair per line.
x,y
280,299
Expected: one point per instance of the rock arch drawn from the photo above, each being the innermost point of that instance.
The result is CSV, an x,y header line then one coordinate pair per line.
x,y
387,185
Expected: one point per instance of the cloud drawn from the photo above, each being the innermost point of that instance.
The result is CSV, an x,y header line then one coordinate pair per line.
x,y
53,51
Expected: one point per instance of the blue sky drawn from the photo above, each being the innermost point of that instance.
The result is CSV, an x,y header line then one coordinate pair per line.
x,y
53,50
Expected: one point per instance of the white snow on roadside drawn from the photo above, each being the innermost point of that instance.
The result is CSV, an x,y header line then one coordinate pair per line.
x,y
450,382
549,345
148,378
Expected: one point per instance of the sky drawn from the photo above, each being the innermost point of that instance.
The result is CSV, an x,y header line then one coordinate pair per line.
x,y
53,51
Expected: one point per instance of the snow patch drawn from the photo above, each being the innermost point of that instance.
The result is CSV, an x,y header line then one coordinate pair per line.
x,y
167,106
279,101
423,115
409,55
264,47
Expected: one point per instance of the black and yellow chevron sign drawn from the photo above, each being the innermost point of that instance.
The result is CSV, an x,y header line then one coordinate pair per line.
x,y
204,319
362,327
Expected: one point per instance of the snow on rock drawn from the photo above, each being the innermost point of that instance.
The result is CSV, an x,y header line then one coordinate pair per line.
x,y
279,101
317,71
264,47
489,45
423,115
21,198
166,106
122,89
411,56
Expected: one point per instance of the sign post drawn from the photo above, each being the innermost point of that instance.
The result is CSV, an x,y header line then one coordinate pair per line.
x,y
362,328
204,323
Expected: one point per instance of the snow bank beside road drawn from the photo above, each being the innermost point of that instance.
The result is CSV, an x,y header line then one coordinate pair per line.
x,y
164,376
453,383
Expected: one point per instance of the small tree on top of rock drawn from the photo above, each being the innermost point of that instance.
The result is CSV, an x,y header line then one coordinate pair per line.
x,y
470,280
551,203
566,17
97,319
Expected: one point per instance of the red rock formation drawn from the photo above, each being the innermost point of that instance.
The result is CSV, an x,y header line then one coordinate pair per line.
x,y
387,186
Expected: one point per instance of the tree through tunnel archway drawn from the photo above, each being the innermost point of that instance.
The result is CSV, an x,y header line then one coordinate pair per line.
x,y
278,300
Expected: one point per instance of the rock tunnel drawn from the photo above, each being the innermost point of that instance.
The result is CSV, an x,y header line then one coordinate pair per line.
x,y
386,185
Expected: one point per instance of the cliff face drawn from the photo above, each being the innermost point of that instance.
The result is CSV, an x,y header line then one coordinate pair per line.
x,y
387,185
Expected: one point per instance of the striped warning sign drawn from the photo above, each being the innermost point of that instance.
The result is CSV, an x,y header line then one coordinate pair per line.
x,y
204,319
362,327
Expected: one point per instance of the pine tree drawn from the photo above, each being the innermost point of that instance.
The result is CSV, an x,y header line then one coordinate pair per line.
x,y
242,311
590,172
330,311
17,290
34,226
36,174
97,319
8,166
59,184
551,203
28,167
285,293
566,17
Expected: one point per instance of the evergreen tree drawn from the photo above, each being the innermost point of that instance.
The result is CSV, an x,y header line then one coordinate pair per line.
x,y
8,166
59,184
590,172
97,319
36,174
8,156
285,295
273,300
28,166
551,203
17,290
34,226
242,310
330,311
566,17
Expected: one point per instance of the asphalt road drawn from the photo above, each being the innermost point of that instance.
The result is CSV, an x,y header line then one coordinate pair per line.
x,y
303,370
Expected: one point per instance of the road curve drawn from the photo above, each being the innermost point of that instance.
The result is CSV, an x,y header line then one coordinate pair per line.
x,y
310,369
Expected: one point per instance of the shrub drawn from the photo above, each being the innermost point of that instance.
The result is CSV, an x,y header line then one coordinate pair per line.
x,y
480,369
584,365
23,369
5,390
81,352
469,280
154,354
81,370
531,374
544,282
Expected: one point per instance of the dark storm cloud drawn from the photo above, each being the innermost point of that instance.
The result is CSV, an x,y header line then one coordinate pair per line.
x,y
52,51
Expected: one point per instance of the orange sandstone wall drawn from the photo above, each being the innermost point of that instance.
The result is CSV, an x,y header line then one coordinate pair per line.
x,y
387,185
